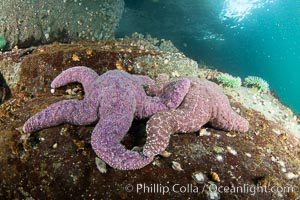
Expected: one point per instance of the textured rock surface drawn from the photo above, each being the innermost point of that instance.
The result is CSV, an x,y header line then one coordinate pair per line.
x,y
32,22
46,62
171,62
59,163
4,89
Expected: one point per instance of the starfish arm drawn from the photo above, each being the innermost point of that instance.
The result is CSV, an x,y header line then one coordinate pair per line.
x,y
108,133
109,149
222,115
158,134
175,92
172,96
229,120
156,88
80,74
143,80
71,111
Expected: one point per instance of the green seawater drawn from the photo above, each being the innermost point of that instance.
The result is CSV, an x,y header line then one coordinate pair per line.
x,y
241,37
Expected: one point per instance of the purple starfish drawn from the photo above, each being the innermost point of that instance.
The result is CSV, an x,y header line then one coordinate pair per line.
x,y
205,102
112,100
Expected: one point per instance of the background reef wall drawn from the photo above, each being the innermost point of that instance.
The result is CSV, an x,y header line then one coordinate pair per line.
x,y
25,23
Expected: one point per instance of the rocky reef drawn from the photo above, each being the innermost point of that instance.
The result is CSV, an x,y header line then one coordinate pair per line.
x,y
25,23
59,162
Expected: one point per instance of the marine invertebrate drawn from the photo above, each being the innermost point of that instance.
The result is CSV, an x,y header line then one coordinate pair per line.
x,y
257,83
112,100
205,102
229,81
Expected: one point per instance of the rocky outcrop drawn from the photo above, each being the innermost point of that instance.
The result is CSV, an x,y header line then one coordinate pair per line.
x,y
58,162
25,23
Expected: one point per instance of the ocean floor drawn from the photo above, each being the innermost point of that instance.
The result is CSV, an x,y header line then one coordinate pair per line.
x,y
59,162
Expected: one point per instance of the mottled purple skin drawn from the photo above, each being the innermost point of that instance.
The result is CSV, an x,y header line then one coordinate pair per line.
x,y
112,100
204,103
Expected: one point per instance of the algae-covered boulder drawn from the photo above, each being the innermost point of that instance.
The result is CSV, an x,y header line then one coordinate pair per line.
x,y
59,163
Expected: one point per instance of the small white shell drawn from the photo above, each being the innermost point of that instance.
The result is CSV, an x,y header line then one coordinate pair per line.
x,y
248,155
204,132
291,175
283,169
231,134
157,163
232,151
199,177
281,163
176,166
165,154
52,90
101,165
212,193
219,158
54,146
175,74
137,149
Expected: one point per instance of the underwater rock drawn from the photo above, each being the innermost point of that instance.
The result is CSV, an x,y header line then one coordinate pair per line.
x,y
31,168
31,70
170,61
4,89
24,23
181,66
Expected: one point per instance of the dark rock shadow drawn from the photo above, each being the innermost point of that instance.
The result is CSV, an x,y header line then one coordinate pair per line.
x,y
5,92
